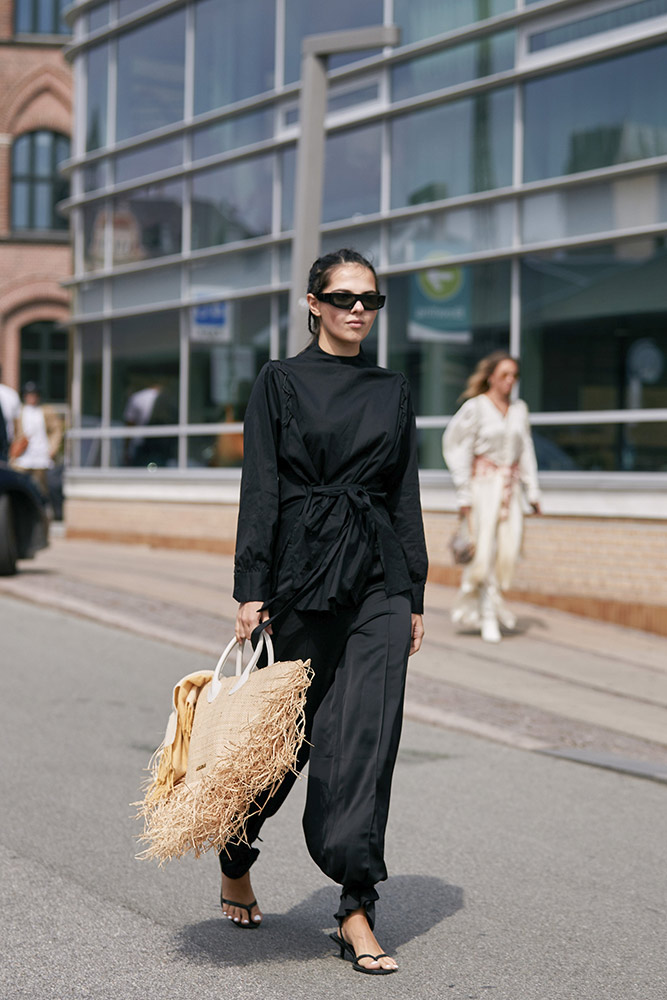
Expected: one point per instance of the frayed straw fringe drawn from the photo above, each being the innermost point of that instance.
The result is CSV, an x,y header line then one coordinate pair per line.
x,y
214,810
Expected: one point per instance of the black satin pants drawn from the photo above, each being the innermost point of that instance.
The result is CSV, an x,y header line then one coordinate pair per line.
x,y
354,712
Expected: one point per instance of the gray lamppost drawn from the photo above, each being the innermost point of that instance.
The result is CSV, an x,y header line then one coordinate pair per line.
x,y
310,154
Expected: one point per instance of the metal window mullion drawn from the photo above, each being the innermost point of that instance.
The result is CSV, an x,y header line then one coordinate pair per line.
x,y
279,48
274,328
189,69
76,401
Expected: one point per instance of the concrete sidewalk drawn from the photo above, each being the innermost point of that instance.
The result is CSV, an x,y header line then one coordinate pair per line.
x,y
560,684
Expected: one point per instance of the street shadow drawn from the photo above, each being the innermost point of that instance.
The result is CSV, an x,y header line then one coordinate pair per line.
x,y
410,906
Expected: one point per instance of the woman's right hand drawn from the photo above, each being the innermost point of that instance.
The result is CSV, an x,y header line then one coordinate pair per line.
x,y
248,618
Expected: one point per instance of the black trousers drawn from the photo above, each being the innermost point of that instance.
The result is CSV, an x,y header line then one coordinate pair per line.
x,y
354,711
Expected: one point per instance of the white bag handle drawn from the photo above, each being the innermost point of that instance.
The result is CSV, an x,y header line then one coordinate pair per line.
x,y
243,675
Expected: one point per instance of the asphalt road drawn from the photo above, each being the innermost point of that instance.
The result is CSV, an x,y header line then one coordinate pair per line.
x,y
514,876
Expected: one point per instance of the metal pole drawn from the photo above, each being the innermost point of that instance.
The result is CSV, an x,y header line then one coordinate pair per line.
x,y
309,179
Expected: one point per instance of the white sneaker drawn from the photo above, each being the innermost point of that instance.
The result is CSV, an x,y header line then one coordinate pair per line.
x,y
490,630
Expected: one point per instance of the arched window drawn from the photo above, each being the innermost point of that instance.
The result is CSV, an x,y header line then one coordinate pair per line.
x,y
40,17
37,186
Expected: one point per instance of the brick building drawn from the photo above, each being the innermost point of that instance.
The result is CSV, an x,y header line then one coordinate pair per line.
x,y
35,255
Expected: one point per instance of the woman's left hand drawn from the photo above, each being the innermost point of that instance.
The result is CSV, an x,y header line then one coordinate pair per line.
x,y
417,633
536,508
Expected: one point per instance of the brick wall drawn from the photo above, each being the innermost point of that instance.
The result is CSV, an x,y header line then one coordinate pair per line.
x,y
36,89
607,568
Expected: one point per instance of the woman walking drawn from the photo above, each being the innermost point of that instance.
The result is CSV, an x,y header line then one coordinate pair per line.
x,y
489,451
330,520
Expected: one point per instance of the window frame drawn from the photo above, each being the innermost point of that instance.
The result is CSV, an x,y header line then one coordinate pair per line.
x,y
56,9
32,178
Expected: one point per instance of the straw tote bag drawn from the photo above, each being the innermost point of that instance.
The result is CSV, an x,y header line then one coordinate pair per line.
x,y
228,740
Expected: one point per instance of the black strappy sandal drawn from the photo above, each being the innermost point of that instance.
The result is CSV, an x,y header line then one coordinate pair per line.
x,y
348,952
252,925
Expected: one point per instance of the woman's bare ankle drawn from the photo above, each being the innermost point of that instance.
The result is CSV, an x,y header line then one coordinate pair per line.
x,y
239,891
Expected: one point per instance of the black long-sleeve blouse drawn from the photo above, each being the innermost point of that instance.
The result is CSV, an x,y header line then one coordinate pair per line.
x,y
329,484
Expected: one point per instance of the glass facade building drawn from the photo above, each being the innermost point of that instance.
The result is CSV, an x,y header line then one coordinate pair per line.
x,y
505,167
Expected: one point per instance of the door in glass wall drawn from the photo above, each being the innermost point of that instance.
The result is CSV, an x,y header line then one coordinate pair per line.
x,y
145,387
594,337
441,322
607,112
229,342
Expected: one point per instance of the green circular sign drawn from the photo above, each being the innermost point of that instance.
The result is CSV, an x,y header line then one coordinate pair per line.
x,y
441,283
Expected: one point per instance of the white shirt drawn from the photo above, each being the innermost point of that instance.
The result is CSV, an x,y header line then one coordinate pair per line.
x,y
10,404
36,455
479,428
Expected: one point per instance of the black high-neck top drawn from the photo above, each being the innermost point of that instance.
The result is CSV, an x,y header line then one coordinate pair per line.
x,y
329,485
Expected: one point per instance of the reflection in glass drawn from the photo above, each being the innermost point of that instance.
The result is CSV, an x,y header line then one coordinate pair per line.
x,y
465,146
242,130
623,118
596,208
144,386
149,159
594,334
94,229
91,391
441,322
142,287
151,66
365,239
454,231
419,19
608,20
352,173
90,297
223,450
454,65
148,222
638,447
231,273
303,17
229,343
234,51
232,202
96,96
98,17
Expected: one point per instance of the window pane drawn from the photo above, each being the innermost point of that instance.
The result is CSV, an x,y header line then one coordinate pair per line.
x,y
151,62
23,16
143,287
242,130
441,322
232,203
623,118
21,156
352,173
96,104
234,51
229,343
91,381
90,297
463,147
419,19
57,382
455,65
148,222
94,225
233,272
602,447
45,12
303,17
596,208
606,21
98,17
595,328
149,159
365,239
144,386
42,205
20,205
127,7
42,153
455,231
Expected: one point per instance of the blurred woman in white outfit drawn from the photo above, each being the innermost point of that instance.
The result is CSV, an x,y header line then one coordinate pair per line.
x,y
489,451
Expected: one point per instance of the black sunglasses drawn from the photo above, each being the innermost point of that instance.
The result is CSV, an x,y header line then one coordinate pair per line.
x,y
348,300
